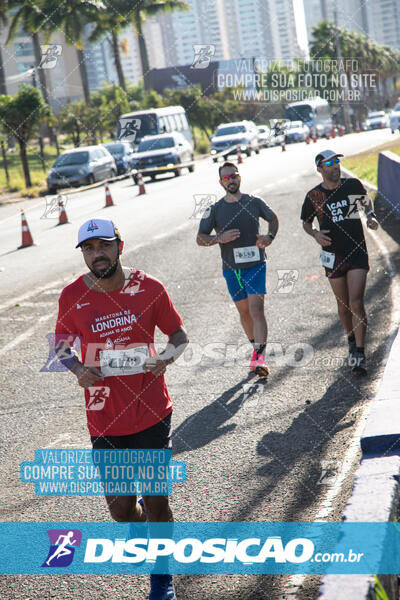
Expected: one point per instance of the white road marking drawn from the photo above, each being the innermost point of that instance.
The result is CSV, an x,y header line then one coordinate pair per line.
x,y
24,336
326,506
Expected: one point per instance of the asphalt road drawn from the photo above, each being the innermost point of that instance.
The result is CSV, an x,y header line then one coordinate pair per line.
x,y
273,455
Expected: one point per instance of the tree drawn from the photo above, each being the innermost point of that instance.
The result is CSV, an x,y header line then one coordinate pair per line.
x,y
139,12
111,20
20,115
71,17
110,102
29,17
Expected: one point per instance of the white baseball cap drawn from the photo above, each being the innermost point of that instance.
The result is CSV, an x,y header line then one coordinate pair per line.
x,y
325,155
101,229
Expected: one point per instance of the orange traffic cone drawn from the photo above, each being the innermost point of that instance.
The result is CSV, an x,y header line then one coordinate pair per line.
x,y
142,189
333,132
27,239
341,132
239,156
109,200
358,128
327,135
62,218
307,140
314,137
283,146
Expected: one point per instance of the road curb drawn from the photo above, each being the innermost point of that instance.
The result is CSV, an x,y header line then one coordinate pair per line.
x,y
376,491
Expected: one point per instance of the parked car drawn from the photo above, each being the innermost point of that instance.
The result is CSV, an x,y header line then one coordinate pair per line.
x,y
166,152
264,136
122,152
296,131
230,136
394,118
81,166
376,120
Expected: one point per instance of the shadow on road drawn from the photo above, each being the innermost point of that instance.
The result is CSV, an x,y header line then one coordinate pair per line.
x,y
207,424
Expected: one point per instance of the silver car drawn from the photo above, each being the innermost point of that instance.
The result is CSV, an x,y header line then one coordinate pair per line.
x,y
81,166
395,118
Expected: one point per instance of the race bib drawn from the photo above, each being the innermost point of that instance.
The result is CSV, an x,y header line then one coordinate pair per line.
x,y
248,254
327,259
122,362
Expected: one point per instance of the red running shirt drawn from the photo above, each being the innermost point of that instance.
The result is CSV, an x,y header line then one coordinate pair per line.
x,y
119,405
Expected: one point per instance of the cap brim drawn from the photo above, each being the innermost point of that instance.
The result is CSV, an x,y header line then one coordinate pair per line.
x,y
325,159
110,239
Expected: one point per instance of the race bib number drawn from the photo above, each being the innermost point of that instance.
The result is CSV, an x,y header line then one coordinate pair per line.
x,y
248,254
123,362
327,259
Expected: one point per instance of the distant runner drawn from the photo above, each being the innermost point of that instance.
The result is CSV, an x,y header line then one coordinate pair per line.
x,y
235,218
344,253
114,311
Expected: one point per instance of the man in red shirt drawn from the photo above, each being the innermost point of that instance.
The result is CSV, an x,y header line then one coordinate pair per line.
x,y
114,310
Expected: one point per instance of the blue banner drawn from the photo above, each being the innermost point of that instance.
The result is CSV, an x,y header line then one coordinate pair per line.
x,y
200,548
83,472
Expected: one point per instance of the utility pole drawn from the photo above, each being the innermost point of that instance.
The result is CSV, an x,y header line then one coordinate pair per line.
x,y
342,77
40,138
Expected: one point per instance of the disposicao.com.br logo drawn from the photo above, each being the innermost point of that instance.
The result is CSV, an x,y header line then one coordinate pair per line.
x,y
193,550
199,548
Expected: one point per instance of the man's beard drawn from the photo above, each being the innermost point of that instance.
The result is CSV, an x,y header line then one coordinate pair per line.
x,y
233,190
334,176
108,272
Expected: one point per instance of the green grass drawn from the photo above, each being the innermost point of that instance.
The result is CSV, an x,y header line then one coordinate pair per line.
x,y
38,175
365,164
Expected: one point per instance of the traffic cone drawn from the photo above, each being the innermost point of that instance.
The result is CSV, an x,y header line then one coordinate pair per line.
x,y
239,156
109,200
341,132
358,129
307,140
27,239
333,132
62,218
142,189
314,137
283,146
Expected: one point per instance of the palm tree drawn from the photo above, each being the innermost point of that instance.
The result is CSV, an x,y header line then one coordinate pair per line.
x,y
71,17
140,11
112,20
30,18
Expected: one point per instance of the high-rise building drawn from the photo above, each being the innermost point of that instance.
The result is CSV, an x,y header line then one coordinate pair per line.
x,y
283,30
62,76
201,24
350,14
383,22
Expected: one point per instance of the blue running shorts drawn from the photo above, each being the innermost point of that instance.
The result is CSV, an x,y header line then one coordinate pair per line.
x,y
244,282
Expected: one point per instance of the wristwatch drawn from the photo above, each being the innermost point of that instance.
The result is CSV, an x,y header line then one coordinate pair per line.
x,y
271,235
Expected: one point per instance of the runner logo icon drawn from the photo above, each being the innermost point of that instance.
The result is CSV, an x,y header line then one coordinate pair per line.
x,y
97,397
62,547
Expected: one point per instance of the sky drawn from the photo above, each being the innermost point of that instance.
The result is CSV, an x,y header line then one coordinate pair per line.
x,y
300,24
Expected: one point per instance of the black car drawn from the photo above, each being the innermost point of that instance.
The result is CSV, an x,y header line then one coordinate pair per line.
x,y
122,153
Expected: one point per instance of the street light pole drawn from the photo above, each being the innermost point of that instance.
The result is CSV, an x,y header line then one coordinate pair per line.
x,y
342,77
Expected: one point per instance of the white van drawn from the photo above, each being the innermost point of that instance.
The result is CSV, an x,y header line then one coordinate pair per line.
x,y
315,113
